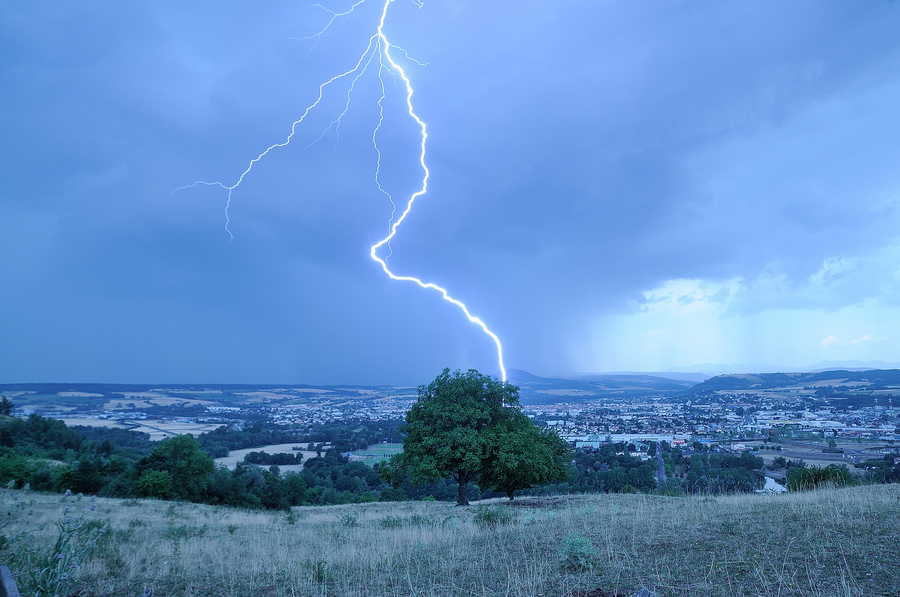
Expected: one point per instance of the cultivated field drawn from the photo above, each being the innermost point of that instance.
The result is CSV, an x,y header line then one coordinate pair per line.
x,y
376,453
823,543
157,430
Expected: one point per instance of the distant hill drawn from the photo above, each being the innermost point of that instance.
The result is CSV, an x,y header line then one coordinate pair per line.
x,y
873,378
712,369
541,390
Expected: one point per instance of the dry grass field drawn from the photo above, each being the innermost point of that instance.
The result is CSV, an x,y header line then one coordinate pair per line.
x,y
824,543
157,430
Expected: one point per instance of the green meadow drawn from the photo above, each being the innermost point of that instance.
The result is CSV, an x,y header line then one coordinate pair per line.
x,y
377,452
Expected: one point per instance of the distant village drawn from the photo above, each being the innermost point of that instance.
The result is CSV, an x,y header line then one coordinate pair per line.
x,y
730,420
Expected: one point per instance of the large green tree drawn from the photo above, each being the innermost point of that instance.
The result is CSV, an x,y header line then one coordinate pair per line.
x,y
525,456
469,427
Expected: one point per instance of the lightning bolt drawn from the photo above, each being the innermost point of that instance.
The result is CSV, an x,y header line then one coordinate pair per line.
x,y
378,44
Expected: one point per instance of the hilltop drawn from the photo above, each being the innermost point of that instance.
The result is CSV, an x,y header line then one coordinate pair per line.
x,y
867,380
827,543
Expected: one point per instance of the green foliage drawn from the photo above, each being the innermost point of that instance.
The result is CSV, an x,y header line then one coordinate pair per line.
x,y
269,459
6,406
577,552
391,522
188,466
349,520
467,427
155,484
525,456
344,436
392,494
882,470
802,478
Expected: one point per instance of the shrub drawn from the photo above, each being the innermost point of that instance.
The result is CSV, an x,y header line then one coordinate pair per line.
x,y
349,520
391,522
577,552
492,516
833,475
418,520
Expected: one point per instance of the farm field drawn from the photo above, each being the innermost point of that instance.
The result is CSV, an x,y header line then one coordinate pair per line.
x,y
376,453
826,543
811,453
235,456
156,429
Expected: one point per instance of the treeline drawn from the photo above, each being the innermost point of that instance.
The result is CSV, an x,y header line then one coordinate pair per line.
x,y
264,458
619,468
882,470
116,463
49,456
343,436
608,469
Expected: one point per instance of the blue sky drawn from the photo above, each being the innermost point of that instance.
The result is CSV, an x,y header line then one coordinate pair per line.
x,y
614,186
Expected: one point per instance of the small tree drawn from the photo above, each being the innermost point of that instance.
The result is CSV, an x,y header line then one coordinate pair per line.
x,y
469,427
6,406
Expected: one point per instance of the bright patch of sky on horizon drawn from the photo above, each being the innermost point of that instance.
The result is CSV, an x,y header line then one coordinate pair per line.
x,y
614,186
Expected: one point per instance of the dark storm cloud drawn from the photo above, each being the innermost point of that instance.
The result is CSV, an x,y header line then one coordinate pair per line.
x,y
582,154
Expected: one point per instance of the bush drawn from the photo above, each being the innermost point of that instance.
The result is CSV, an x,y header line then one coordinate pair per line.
x,y
492,516
577,552
804,478
391,522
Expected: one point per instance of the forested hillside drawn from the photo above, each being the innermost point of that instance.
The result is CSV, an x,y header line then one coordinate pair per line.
x,y
47,455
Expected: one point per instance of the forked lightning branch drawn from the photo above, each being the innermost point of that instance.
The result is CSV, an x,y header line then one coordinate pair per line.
x,y
378,50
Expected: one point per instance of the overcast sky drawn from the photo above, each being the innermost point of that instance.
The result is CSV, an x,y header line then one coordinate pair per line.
x,y
614,186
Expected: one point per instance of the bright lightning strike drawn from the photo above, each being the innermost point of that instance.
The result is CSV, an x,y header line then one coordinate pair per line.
x,y
378,44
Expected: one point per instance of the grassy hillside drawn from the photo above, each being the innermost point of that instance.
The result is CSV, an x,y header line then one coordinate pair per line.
x,y
824,543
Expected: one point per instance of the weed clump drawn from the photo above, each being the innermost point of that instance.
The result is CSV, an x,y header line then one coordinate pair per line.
x,y
577,552
391,522
493,516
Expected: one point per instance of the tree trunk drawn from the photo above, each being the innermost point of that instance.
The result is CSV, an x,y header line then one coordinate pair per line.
x,y
462,494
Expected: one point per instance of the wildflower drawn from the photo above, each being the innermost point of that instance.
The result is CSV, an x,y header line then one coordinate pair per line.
x,y
65,510
92,508
68,492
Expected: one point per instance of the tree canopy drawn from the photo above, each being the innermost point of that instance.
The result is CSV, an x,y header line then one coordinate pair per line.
x,y
469,426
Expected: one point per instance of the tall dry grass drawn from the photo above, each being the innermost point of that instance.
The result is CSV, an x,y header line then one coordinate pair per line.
x,y
824,543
